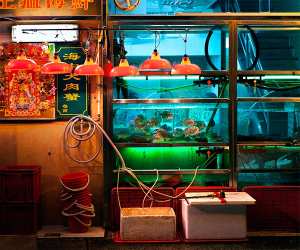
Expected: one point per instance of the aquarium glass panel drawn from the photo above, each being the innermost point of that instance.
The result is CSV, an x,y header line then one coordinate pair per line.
x,y
269,86
278,48
139,45
267,179
173,7
157,87
161,7
268,158
268,121
170,123
174,157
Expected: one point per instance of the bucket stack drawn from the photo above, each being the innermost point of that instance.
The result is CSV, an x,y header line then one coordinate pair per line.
x,y
77,201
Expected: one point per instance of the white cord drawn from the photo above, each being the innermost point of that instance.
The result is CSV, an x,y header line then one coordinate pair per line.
x,y
80,136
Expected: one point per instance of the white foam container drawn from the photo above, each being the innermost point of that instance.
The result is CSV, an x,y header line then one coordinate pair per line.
x,y
156,223
210,219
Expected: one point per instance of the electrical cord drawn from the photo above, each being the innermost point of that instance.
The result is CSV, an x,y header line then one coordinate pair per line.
x,y
93,126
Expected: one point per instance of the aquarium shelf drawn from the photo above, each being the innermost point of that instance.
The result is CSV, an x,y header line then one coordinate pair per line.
x,y
195,144
267,72
264,170
268,99
177,171
175,100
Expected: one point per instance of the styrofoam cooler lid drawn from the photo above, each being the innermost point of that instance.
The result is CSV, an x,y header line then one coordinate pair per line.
x,y
231,198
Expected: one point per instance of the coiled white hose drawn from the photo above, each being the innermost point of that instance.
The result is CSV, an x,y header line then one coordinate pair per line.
x,y
75,130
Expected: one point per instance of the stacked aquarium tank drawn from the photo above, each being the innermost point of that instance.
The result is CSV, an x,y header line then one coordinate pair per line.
x,y
176,122
172,123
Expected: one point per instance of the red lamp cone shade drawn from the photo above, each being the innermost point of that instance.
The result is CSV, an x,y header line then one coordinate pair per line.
x,y
124,69
155,65
21,63
56,67
186,67
89,68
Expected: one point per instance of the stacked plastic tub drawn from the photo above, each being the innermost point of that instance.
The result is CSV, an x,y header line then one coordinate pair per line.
x,y
77,201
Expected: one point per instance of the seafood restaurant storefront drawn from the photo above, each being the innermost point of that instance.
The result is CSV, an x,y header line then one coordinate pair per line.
x,y
115,114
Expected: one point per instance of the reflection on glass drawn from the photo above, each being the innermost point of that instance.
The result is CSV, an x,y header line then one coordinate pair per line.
x,y
268,179
171,46
268,121
157,87
173,7
268,157
276,47
170,123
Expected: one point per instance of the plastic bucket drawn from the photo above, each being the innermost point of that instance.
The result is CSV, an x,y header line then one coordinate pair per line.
x,y
76,227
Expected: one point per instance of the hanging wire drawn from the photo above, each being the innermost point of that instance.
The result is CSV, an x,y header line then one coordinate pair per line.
x,y
156,40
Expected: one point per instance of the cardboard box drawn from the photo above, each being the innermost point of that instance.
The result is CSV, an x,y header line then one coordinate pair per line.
x,y
156,223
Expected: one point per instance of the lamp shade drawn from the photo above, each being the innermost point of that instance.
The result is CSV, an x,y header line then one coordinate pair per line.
x,y
56,67
124,69
89,68
155,65
21,63
186,67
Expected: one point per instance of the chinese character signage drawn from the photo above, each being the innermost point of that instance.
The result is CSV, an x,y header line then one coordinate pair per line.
x,y
72,91
50,7
26,94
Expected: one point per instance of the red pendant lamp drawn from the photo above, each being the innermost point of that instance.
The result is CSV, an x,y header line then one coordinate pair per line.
x,y
155,65
89,68
56,67
21,63
186,67
124,69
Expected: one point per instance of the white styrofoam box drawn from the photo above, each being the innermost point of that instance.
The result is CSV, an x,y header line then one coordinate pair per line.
x,y
209,219
156,223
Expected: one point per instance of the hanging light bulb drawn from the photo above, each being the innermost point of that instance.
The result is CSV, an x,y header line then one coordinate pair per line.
x,y
56,67
155,65
89,68
124,69
186,67
21,63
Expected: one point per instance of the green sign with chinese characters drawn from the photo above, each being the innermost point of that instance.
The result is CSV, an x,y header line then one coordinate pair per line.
x,y
72,90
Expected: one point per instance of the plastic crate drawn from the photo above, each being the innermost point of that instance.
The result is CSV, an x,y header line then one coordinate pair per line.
x,y
133,197
19,218
177,204
276,208
20,184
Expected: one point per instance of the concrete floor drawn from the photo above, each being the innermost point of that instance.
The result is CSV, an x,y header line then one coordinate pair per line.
x,y
31,243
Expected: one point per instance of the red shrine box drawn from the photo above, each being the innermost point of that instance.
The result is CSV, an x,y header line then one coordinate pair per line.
x,y
19,184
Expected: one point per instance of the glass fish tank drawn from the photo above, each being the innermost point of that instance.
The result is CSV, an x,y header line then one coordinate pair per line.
x,y
277,47
170,123
159,87
268,157
175,158
268,121
173,44
268,179
269,86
